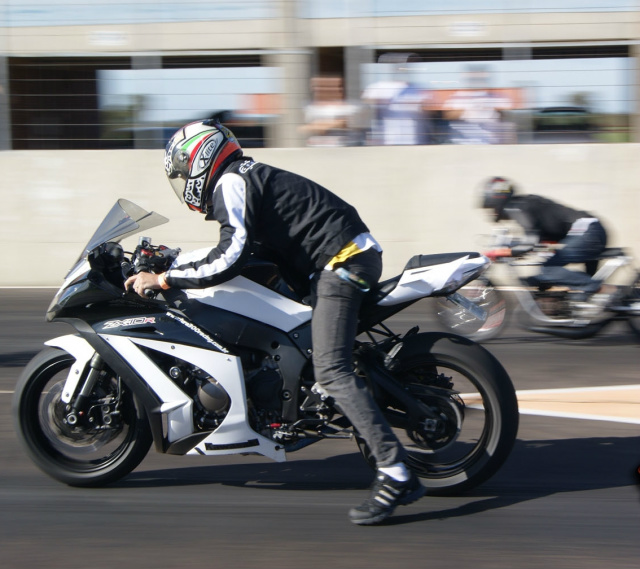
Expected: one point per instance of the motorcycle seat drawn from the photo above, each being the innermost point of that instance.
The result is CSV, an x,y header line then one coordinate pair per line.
x,y
417,261
611,252
382,289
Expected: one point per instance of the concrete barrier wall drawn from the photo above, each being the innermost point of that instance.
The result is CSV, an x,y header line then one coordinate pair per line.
x,y
415,199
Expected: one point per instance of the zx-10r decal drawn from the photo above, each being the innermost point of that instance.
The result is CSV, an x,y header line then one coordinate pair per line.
x,y
128,322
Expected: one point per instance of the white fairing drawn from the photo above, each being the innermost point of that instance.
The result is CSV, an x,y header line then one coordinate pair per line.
x,y
82,351
425,281
234,435
247,298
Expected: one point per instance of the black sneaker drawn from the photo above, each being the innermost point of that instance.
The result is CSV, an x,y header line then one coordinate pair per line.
x,y
386,494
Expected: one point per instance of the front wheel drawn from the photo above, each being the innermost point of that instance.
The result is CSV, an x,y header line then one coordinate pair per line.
x,y
483,294
474,404
633,302
108,441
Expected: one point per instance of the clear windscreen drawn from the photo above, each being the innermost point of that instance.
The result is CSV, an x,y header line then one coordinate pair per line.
x,y
124,219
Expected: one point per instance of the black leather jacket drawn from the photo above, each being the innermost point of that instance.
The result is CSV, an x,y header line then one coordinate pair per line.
x,y
541,218
281,215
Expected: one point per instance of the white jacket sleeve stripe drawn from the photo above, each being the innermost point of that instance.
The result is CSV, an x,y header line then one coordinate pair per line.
x,y
233,189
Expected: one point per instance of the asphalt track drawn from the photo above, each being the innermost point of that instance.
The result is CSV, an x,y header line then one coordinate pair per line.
x,y
566,498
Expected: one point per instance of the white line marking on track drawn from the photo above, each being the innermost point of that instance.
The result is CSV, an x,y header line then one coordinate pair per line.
x,y
567,415
615,403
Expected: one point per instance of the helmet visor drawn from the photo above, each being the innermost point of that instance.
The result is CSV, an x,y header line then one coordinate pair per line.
x,y
178,184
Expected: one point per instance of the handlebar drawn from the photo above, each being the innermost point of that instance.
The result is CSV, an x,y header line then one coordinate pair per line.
x,y
152,259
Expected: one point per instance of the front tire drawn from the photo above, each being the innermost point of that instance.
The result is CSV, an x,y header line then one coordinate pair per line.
x,y
633,300
478,412
80,454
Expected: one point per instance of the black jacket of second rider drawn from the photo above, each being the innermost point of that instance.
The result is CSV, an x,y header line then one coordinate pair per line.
x,y
296,222
542,219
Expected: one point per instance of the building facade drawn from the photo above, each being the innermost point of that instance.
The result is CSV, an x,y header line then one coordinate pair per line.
x,y
112,74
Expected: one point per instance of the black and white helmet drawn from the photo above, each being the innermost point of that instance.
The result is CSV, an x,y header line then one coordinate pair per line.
x,y
194,156
496,192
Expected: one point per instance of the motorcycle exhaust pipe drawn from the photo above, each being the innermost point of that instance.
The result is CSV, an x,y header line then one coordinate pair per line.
x,y
464,303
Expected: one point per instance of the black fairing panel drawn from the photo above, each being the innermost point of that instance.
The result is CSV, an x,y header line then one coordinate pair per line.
x,y
93,299
291,351
163,326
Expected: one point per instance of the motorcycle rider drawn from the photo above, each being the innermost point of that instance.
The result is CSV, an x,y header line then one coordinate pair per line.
x,y
581,235
310,233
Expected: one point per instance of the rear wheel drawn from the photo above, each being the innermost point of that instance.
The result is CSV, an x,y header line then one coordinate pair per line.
x,y
483,294
475,408
101,446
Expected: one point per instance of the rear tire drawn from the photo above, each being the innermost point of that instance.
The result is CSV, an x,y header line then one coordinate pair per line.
x,y
78,455
478,410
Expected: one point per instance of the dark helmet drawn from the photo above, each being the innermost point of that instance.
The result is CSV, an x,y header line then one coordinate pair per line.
x,y
496,192
195,156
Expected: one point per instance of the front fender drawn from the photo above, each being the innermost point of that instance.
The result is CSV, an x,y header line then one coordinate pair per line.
x,y
82,351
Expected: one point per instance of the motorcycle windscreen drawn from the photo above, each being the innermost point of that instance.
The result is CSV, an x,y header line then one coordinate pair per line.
x,y
124,219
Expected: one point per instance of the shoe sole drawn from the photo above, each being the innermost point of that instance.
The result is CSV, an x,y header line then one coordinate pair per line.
x,y
404,501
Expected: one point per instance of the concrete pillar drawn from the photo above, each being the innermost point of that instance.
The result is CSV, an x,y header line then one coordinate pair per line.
x,y
5,113
145,138
634,119
355,57
294,69
524,120
293,59
5,109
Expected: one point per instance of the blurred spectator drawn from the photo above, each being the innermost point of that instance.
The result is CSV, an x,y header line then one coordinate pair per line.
x,y
475,113
401,108
405,119
329,119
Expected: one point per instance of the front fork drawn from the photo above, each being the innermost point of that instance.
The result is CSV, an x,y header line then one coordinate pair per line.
x,y
81,381
78,407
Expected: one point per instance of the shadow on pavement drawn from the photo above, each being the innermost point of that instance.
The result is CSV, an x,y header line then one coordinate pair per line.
x,y
537,469
534,469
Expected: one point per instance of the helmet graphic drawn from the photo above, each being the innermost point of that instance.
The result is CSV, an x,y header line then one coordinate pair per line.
x,y
496,193
193,157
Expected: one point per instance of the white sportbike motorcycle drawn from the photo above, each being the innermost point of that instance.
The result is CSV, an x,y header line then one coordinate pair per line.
x,y
227,370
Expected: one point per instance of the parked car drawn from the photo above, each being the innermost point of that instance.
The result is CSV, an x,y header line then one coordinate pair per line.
x,y
563,124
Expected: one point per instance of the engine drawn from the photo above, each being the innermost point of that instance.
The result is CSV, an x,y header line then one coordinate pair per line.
x,y
212,402
264,387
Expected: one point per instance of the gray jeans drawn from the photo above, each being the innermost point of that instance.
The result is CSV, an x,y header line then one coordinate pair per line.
x,y
336,304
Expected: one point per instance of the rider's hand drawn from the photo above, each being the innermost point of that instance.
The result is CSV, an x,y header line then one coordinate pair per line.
x,y
142,282
498,253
